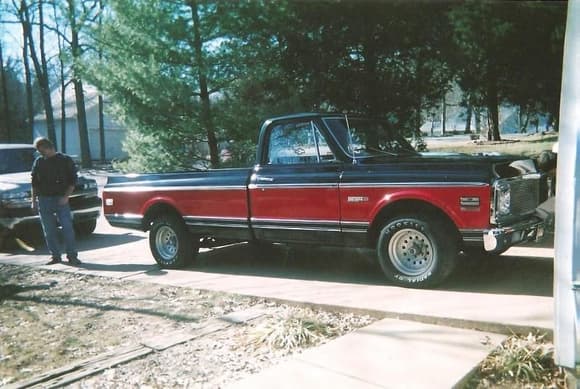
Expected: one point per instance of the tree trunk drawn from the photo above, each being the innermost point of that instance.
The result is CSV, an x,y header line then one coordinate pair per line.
x,y
101,102
524,118
41,74
102,129
492,107
443,116
5,129
468,118
29,101
206,116
86,160
63,84
477,120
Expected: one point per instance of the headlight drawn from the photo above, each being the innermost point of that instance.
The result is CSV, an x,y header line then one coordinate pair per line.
x,y
90,185
503,200
16,199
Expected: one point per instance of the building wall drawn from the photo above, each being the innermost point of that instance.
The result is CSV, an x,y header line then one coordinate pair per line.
x,y
114,136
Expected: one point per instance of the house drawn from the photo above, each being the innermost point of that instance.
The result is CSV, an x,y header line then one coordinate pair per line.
x,y
114,132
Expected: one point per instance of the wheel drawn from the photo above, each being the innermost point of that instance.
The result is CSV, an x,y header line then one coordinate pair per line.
x,y
170,242
416,251
86,227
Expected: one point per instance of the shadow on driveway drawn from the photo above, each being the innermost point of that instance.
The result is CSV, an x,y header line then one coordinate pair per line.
x,y
36,245
494,275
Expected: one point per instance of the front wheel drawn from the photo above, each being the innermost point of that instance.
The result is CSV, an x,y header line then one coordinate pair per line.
x,y
171,243
416,251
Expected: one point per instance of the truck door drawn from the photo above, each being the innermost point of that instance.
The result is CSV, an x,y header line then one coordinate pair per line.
x,y
294,189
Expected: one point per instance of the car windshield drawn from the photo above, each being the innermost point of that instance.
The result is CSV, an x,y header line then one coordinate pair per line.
x,y
363,138
16,160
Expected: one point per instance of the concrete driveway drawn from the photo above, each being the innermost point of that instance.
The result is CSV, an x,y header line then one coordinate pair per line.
x,y
512,292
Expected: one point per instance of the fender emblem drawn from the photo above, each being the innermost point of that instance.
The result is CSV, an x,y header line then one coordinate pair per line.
x,y
357,199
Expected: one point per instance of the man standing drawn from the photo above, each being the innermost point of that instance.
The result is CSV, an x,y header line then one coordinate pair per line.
x,y
54,176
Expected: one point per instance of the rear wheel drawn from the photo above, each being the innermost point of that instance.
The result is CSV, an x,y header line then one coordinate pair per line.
x,y
171,243
416,251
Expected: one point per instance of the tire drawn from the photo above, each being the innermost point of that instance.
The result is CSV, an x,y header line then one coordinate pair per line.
x,y
416,251
171,243
86,227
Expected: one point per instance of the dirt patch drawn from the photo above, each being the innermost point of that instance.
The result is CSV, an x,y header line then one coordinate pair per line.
x,y
51,319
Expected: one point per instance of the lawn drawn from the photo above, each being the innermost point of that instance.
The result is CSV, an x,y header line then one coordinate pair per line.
x,y
524,144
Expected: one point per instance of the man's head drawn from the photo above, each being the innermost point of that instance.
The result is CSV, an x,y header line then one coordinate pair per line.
x,y
45,147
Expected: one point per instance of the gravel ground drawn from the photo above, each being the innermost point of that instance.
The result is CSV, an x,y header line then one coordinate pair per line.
x,y
50,319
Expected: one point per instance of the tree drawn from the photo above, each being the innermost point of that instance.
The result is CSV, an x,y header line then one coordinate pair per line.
x,y
183,60
38,59
380,59
498,46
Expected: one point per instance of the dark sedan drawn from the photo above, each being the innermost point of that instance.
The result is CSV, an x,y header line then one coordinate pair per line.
x,y
16,214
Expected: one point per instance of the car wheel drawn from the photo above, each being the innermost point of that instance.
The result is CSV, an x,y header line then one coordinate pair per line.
x,y
171,243
86,227
416,251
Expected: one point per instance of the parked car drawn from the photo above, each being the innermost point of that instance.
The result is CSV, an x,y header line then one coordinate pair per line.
x,y
16,214
328,179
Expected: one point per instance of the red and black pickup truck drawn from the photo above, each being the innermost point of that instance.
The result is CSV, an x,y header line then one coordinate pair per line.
x,y
329,179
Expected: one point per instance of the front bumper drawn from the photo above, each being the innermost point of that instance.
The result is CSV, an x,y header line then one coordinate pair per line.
x,y
501,238
21,218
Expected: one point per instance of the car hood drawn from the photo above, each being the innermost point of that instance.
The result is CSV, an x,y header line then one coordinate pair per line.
x,y
14,181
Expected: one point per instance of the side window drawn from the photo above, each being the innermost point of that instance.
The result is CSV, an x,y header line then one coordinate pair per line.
x,y
298,143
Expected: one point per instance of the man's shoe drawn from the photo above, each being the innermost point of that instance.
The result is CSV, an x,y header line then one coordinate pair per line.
x,y
54,261
74,261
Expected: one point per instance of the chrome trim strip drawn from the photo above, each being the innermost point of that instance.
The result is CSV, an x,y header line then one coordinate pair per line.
x,y
172,188
124,216
297,228
294,221
216,221
293,186
355,224
411,184
86,210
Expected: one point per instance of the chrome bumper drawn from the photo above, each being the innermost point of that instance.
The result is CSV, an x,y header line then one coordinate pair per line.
x,y
501,238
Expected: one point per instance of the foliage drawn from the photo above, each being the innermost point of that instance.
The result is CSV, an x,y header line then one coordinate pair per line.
x,y
14,114
497,46
194,79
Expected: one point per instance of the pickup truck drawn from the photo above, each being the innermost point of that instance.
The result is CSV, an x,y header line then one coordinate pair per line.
x,y
331,179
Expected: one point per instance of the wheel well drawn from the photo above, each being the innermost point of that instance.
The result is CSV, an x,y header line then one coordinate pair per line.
x,y
157,210
406,207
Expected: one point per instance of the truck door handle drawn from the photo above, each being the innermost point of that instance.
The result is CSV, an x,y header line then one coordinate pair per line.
x,y
265,179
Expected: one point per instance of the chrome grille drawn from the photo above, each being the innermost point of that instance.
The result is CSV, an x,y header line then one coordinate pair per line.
x,y
524,196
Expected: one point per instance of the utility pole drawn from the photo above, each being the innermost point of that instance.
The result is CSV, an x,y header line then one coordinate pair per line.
x,y
567,238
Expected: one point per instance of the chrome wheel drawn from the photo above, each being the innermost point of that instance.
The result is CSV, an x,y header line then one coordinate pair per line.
x,y
411,252
166,243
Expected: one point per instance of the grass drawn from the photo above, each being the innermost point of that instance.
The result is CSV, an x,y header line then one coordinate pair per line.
x,y
520,362
524,145
291,332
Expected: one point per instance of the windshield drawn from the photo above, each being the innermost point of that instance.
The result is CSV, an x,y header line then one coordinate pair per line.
x,y
361,138
16,160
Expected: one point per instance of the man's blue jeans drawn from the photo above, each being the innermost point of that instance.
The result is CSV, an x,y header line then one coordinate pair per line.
x,y
50,212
